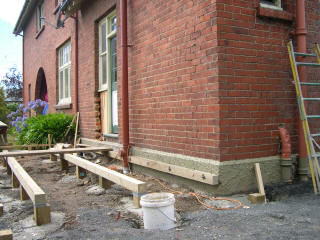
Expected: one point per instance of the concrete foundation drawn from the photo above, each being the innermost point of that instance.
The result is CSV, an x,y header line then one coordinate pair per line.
x,y
234,176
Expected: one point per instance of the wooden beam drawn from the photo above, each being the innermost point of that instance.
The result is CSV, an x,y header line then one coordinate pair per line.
x,y
259,178
6,234
15,181
63,163
42,214
23,194
4,147
104,183
195,175
128,182
36,194
53,151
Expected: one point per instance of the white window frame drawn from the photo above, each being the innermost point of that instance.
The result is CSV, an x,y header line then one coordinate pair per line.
x,y
276,5
64,64
109,34
40,14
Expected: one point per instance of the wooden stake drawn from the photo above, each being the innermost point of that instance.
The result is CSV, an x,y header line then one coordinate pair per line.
x,y
42,214
104,183
70,126
23,194
63,163
76,132
49,140
80,172
15,181
1,209
260,180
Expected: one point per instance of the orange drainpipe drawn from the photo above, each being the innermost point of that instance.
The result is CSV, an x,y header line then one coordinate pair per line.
x,y
124,86
301,37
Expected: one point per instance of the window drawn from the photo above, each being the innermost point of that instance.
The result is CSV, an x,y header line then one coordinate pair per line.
x,y
273,4
64,56
40,16
107,35
108,69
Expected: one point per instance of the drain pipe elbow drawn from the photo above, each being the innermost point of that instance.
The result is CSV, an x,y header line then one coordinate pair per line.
x,y
286,160
285,142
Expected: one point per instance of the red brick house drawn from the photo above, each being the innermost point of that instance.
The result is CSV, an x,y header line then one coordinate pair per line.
x,y
209,82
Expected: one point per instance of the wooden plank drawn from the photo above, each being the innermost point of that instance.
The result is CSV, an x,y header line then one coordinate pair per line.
x,y
259,178
6,234
76,132
195,175
54,151
128,182
63,163
257,198
36,194
22,146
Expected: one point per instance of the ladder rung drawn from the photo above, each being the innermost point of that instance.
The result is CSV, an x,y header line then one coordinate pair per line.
x,y
313,116
305,54
311,99
315,135
310,83
308,64
315,155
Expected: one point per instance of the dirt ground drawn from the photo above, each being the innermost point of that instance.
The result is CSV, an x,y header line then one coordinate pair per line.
x,y
293,213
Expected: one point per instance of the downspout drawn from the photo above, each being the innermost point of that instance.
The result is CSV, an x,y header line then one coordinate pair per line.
x,y
76,63
301,37
124,86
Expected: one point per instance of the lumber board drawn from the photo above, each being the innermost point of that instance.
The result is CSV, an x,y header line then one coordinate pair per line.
x,y
128,182
195,175
1,209
6,234
259,178
53,151
7,147
36,194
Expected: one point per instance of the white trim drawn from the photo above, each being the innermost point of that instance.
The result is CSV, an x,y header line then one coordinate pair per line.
x,y
64,63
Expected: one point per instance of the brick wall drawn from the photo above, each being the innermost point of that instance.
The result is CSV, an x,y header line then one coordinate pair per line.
x,y
209,79
256,93
173,77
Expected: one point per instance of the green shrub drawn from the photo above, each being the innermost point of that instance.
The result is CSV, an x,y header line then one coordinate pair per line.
x,y
12,107
37,128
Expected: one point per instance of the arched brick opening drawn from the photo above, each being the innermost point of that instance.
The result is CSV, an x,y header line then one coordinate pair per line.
x,y
41,85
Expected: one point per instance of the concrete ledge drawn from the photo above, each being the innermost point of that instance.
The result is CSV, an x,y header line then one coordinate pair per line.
x,y
233,176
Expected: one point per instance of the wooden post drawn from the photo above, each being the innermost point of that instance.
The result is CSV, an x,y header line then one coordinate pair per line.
x,y
9,172
104,183
23,195
76,132
4,162
63,163
15,181
42,214
136,199
53,157
80,172
1,209
49,140
6,234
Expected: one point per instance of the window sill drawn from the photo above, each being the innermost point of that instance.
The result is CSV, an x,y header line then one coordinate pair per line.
x,y
102,89
111,135
39,32
63,106
275,13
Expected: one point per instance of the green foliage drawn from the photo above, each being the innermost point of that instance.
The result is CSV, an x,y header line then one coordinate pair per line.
x,y
3,108
37,129
12,107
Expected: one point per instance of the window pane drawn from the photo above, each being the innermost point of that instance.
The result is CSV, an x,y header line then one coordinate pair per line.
x,y
113,52
103,37
66,82
61,85
104,69
113,23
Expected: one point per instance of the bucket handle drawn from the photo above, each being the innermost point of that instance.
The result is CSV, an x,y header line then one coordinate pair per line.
x,y
173,220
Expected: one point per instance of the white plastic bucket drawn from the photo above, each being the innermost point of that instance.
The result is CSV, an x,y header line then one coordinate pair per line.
x,y
158,210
